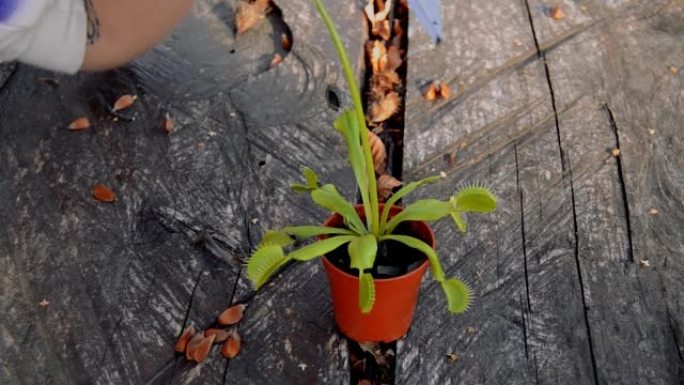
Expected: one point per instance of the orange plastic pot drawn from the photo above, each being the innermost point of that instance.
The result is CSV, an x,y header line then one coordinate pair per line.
x,y
395,298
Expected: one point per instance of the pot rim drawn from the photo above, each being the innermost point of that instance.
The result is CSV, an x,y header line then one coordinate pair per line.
x,y
359,208
420,267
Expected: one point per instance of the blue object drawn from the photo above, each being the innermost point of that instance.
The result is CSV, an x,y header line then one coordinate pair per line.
x,y
430,17
7,8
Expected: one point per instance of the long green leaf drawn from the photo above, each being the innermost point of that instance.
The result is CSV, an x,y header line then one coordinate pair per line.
x,y
348,125
458,295
407,189
414,243
422,210
314,231
264,263
319,248
362,252
474,199
330,199
372,207
366,293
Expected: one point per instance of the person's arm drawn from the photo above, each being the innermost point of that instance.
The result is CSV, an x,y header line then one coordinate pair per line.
x,y
120,30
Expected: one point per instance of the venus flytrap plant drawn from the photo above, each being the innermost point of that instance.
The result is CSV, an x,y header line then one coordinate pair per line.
x,y
363,236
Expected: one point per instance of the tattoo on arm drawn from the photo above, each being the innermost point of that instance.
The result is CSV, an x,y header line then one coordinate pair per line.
x,y
93,22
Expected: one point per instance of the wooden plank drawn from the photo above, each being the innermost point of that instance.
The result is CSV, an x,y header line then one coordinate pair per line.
x,y
526,325
123,279
624,304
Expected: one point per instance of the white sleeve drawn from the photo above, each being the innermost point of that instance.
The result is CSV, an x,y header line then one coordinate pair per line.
x,y
46,33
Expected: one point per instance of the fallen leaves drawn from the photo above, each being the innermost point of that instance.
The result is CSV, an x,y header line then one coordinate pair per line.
x,y
232,315
452,357
557,13
231,348
199,351
250,13
378,18
653,211
44,303
168,125
378,152
437,90
123,102
103,193
221,334
615,152
197,345
277,59
387,183
645,263
383,106
79,124
673,70
185,337
285,42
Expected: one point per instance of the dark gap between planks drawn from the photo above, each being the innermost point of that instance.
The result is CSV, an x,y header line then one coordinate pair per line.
x,y
378,366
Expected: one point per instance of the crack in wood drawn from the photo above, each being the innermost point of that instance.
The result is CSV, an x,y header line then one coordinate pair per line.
x,y
542,56
522,230
675,336
523,311
585,307
623,188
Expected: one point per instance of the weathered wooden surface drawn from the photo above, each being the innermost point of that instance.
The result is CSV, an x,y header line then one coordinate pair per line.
x,y
578,280
123,279
564,294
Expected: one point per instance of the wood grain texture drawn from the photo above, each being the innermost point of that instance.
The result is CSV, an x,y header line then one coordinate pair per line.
x,y
561,297
123,279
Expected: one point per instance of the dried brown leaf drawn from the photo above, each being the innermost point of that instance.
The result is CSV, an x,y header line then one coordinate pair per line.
x,y
285,41
44,303
277,59
384,82
103,193
79,124
249,13
231,348
192,344
185,337
453,357
200,350
386,183
378,152
398,30
430,92
437,91
220,334
232,315
377,53
124,102
393,58
557,13
381,29
444,91
168,125
384,107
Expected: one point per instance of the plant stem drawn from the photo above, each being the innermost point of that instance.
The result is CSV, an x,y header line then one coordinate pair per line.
x,y
372,212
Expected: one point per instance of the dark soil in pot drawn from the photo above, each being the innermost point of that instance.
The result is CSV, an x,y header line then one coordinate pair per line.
x,y
394,259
